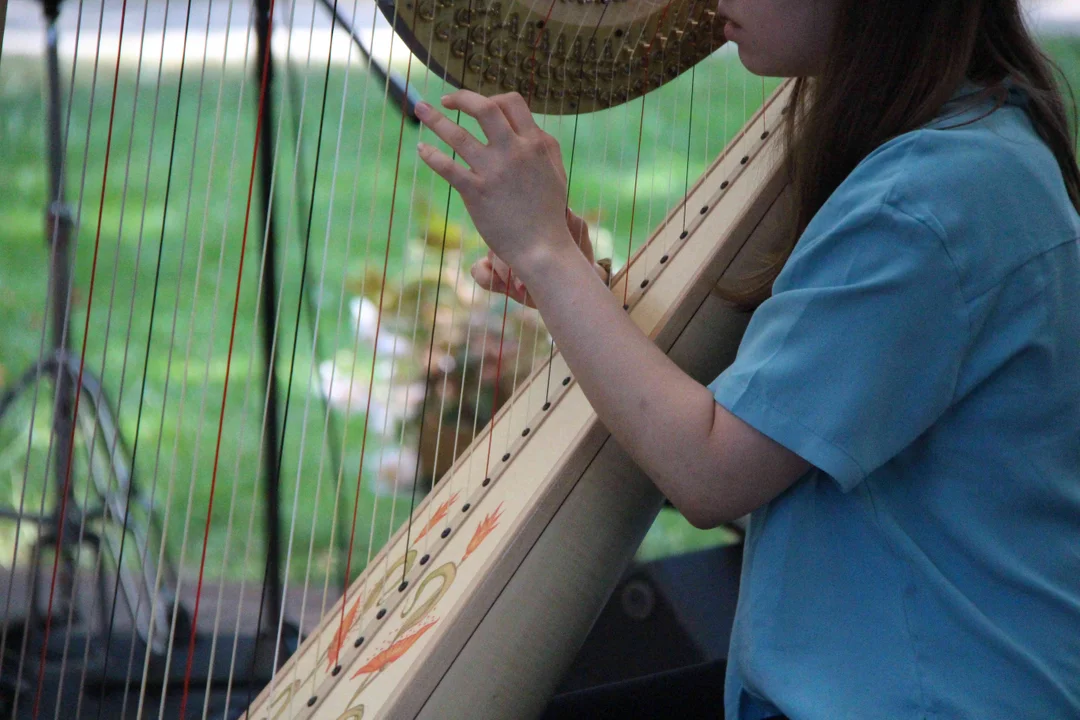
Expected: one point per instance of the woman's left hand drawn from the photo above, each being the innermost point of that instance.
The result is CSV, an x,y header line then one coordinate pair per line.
x,y
514,186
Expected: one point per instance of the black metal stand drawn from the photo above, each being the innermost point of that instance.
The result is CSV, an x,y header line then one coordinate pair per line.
x,y
264,69
66,527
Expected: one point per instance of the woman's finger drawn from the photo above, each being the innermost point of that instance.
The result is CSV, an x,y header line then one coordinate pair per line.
x,y
492,121
482,273
501,269
458,138
459,177
516,111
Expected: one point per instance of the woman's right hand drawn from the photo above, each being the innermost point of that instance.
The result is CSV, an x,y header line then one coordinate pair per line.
x,y
491,273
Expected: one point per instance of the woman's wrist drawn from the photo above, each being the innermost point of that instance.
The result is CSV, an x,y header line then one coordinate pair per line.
x,y
540,254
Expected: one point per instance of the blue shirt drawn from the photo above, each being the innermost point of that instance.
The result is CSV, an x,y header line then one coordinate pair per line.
x,y
922,351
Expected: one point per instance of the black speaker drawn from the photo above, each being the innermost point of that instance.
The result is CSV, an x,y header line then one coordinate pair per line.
x,y
664,615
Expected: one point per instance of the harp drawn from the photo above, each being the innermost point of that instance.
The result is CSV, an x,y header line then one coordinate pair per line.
x,y
481,592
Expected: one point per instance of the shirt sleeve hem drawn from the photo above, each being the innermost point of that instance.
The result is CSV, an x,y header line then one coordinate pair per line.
x,y
757,412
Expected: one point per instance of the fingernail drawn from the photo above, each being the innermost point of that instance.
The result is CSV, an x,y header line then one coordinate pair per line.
x,y
444,98
422,148
422,108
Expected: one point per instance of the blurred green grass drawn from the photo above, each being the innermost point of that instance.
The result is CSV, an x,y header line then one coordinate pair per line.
x,y
159,338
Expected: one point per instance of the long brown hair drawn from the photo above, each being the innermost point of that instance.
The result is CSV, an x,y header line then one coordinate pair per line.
x,y
891,68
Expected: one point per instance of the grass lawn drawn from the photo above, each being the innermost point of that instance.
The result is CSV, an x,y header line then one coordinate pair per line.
x,y
168,257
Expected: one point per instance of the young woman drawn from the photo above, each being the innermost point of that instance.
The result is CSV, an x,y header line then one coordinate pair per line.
x,y
903,417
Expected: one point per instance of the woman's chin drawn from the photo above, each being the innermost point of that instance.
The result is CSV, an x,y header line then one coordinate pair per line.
x,y
752,62
763,67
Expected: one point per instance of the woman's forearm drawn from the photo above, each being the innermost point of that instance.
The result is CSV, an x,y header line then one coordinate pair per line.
x,y
657,412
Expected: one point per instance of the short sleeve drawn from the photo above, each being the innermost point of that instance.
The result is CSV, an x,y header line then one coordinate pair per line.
x,y
858,350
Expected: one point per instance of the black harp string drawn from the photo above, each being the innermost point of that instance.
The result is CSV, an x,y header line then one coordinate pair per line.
x,y
431,339
120,395
149,334
468,331
305,247
569,184
67,446
689,138
333,444
446,217
378,326
637,162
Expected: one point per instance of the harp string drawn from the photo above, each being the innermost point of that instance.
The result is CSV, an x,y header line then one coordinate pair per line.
x,y
329,444
55,229
153,303
387,556
217,284
378,328
78,384
277,314
367,254
198,272
689,141
318,486
649,249
266,414
264,250
142,394
187,356
569,186
249,541
185,365
88,448
315,328
398,314
99,569
232,338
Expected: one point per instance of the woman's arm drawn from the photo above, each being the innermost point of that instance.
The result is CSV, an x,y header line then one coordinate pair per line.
x,y
711,465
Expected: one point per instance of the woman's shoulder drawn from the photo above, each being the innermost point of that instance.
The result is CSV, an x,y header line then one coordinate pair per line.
x,y
982,161
990,188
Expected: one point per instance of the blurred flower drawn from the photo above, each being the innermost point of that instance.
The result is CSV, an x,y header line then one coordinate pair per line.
x,y
365,316
443,345
396,472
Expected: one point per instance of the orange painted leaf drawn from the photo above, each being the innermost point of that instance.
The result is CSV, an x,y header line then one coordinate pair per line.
x,y
437,517
483,529
342,633
394,652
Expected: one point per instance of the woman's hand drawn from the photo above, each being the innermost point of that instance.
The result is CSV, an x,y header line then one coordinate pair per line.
x,y
491,273
514,186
